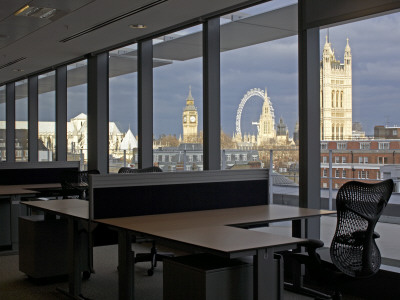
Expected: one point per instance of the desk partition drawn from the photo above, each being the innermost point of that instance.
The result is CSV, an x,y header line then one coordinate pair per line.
x,y
121,195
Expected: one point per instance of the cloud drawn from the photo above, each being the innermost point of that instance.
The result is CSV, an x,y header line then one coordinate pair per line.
x,y
273,65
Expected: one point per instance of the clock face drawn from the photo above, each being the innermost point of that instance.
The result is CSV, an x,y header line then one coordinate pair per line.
x,y
184,119
192,118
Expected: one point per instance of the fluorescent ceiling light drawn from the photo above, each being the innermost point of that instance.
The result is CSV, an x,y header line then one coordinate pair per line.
x,y
21,10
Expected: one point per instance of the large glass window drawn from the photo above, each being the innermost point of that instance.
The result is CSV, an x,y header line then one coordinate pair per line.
x,y
364,68
47,117
123,132
259,91
3,127
77,112
178,98
21,121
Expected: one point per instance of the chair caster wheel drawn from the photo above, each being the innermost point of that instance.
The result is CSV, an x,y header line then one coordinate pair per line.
x,y
86,275
150,272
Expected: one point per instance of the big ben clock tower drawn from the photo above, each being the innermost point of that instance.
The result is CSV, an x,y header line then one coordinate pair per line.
x,y
190,120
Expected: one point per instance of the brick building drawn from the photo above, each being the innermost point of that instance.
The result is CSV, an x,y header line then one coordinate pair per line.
x,y
360,160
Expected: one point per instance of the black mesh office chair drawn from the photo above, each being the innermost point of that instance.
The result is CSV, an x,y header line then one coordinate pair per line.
x,y
154,256
353,250
75,184
124,170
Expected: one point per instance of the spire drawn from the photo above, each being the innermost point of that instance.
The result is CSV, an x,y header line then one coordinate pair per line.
x,y
347,49
190,97
327,47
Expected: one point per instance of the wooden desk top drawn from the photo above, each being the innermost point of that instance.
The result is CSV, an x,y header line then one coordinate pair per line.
x,y
68,207
245,216
225,239
205,229
25,189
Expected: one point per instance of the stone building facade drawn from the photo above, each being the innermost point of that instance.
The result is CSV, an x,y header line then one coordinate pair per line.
x,y
335,95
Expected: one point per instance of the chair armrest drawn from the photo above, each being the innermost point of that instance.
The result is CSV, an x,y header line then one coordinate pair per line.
x,y
311,246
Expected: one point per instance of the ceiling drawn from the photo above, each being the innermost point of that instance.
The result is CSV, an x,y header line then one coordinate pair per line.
x,y
30,44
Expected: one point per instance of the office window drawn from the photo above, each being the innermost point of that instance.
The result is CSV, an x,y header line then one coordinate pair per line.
x,y
324,146
383,145
337,159
365,146
122,127
382,160
344,174
342,146
360,159
325,173
337,173
21,120
344,159
394,132
3,124
47,117
365,159
325,159
259,84
372,83
77,112
178,92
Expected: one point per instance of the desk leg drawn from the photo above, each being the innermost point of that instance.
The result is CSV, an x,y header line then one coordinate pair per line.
x,y
267,276
75,258
298,228
74,261
126,279
14,213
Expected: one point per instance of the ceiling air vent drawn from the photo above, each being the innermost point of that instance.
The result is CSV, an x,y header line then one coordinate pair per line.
x,y
113,20
10,63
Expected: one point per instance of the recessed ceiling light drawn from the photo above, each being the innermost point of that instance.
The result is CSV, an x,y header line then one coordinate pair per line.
x,y
137,26
18,70
36,12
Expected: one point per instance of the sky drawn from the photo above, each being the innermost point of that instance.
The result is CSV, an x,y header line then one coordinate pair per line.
x,y
273,66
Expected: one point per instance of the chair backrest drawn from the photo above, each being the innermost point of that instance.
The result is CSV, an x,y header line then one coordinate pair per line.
x,y
149,170
70,178
359,206
124,170
144,170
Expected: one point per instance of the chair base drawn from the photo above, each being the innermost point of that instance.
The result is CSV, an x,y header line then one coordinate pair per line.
x,y
153,258
307,291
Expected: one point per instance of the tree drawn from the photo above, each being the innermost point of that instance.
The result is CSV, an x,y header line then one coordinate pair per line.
x,y
226,141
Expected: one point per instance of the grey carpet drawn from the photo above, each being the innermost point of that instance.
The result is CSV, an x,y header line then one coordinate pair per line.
x,y
103,285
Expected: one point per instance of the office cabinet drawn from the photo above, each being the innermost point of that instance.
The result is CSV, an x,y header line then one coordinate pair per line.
x,y
207,277
43,246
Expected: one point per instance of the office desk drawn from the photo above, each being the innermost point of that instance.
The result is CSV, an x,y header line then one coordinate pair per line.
x,y
199,230
206,231
10,196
